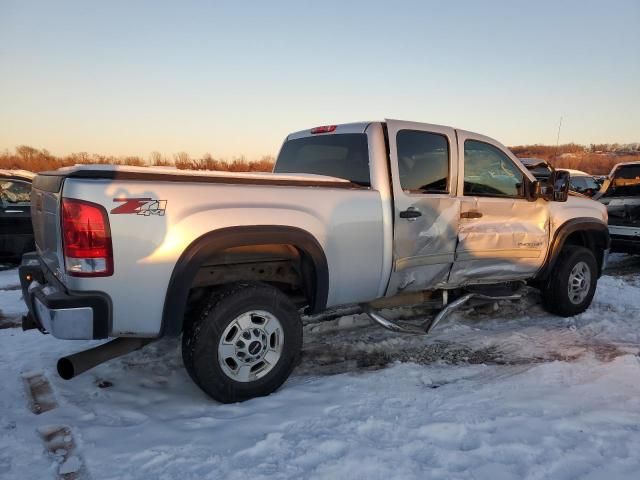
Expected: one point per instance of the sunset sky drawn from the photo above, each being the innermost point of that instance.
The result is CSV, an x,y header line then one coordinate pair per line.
x,y
232,78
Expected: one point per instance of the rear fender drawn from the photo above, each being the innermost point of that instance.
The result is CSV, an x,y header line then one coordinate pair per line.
x,y
203,247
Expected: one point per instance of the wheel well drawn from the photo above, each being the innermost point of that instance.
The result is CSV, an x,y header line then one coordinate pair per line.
x,y
285,257
594,240
579,238
281,265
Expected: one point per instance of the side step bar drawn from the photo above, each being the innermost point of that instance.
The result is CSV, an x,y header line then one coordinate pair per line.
x,y
426,327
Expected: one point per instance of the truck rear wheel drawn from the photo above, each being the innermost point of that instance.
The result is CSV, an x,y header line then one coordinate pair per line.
x,y
572,282
243,342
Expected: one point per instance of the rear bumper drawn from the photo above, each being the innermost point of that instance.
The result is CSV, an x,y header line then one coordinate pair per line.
x,y
625,239
54,310
625,245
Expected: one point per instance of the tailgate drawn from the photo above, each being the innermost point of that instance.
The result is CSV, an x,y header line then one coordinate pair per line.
x,y
45,216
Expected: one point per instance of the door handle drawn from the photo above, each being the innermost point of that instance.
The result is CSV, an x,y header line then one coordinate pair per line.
x,y
471,214
411,213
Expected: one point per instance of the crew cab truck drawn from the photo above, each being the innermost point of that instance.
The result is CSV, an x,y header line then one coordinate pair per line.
x,y
368,215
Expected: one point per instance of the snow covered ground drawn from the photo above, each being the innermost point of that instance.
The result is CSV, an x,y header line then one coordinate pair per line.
x,y
513,393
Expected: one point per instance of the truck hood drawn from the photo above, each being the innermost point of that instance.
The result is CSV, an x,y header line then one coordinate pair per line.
x,y
580,206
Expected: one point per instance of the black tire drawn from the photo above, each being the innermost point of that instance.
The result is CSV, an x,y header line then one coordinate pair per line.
x,y
555,293
202,335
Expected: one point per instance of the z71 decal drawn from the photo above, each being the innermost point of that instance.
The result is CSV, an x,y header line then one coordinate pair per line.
x,y
140,206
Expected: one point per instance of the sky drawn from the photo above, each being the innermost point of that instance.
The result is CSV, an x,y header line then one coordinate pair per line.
x,y
233,78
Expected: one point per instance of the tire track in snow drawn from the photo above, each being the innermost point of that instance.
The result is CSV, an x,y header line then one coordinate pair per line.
x,y
57,439
59,442
39,392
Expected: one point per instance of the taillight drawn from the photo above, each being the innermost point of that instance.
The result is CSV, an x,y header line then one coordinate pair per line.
x,y
324,129
86,239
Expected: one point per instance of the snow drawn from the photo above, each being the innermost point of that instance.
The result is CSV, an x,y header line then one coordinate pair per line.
x,y
506,394
11,304
71,465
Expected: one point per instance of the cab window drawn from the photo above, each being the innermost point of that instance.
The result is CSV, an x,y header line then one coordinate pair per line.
x,y
490,172
336,155
423,161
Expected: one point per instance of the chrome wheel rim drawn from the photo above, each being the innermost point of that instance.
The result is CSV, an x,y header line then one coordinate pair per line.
x,y
250,346
579,283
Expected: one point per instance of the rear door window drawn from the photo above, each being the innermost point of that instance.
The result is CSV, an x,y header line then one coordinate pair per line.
x,y
343,155
423,161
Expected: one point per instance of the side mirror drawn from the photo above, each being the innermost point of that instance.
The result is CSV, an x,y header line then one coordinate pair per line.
x,y
540,189
560,181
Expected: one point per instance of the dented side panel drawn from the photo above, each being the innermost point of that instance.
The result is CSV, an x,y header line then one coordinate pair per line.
x,y
424,249
423,245
508,242
500,238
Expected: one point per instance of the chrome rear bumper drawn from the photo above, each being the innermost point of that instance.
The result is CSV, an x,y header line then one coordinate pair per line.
x,y
65,315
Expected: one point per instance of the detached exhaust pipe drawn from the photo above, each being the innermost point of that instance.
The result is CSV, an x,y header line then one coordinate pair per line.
x,y
73,365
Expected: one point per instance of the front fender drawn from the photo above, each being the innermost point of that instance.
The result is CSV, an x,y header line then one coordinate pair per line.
x,y
597,234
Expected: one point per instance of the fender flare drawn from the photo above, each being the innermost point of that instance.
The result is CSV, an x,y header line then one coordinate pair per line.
x,y
592,226
196,253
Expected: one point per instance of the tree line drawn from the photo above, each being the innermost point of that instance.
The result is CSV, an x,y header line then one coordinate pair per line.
x,y
594,158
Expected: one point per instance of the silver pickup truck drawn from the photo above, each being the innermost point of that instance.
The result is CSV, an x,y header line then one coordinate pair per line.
x,y
367,216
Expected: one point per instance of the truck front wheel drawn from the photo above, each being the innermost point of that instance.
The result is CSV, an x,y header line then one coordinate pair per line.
x,y
572,282
243,342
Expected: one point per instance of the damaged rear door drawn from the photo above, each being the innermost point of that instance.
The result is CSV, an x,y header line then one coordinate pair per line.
x,y
501,234
423,161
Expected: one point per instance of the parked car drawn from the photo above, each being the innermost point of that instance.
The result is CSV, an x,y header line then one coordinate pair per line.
x,y
16,232
366,215
621,194
582,182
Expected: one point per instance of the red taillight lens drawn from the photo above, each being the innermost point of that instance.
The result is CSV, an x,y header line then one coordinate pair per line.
x,y
324,129
86,239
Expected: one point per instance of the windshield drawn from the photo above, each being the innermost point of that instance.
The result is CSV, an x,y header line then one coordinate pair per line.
x,y
338,155
625,182
14,192
584,184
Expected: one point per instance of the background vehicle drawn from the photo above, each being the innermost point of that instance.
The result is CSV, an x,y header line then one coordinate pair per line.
x,y
540,168
16,232
621,194
365,215
580,182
